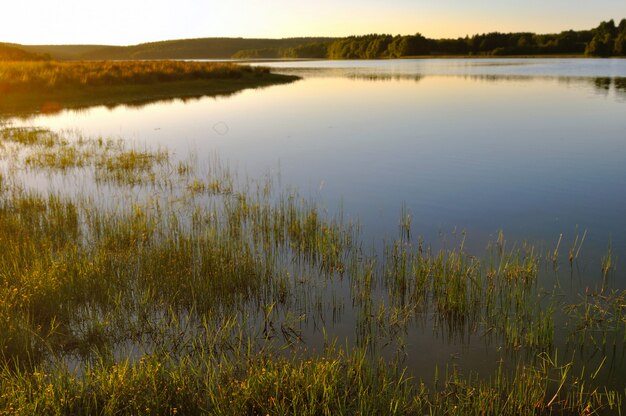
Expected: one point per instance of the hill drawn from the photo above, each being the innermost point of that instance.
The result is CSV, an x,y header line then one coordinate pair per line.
x,y
204,48
62,52
9,52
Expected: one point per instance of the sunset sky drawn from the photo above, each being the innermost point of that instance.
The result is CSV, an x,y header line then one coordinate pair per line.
x,y
129,22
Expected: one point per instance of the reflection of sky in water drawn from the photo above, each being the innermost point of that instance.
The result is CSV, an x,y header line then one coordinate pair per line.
x,y
535,156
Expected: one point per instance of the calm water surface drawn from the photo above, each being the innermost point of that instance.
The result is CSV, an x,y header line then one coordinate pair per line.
x,y
535,147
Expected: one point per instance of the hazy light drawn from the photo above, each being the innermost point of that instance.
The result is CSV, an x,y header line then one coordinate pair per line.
x,y
130,22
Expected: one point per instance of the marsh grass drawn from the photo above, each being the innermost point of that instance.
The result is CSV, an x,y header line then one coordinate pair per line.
x,y
198,299
497,296
336,382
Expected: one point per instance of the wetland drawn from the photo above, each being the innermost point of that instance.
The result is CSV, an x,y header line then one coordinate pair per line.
x,y
441,236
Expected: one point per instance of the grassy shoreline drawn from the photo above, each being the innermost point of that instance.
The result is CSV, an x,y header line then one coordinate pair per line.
x,y
51,86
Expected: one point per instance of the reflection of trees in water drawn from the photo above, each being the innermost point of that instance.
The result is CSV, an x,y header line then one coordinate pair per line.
x,y
606,84
386,77
600,84
620,85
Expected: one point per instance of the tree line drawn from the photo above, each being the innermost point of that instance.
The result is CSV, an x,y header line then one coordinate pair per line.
x,y
608,39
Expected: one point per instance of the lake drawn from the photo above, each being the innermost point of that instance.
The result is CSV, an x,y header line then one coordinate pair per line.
x,y
535,148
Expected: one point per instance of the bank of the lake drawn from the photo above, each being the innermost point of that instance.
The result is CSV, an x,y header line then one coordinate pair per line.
x,y
29,87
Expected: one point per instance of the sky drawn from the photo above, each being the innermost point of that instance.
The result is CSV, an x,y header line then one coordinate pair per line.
x,y
128,22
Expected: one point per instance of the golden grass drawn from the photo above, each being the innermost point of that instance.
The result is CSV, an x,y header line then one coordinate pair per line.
x,y
51,86
49,76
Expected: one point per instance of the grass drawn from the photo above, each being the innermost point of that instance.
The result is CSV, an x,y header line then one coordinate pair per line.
x,y
50,86
337,382
197,292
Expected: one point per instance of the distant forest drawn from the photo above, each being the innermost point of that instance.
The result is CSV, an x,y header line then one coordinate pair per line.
x,y
608,39
605,40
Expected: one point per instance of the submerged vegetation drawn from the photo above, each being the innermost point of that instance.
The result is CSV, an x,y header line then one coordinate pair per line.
x,y
50,85
151,283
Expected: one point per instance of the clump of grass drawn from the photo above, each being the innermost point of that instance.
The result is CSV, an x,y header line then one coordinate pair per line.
x,y
130,166
109,160
213,186
29,137
466,294
549,387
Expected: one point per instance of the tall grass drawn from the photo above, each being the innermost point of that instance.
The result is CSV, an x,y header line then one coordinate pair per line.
x,y
336,382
